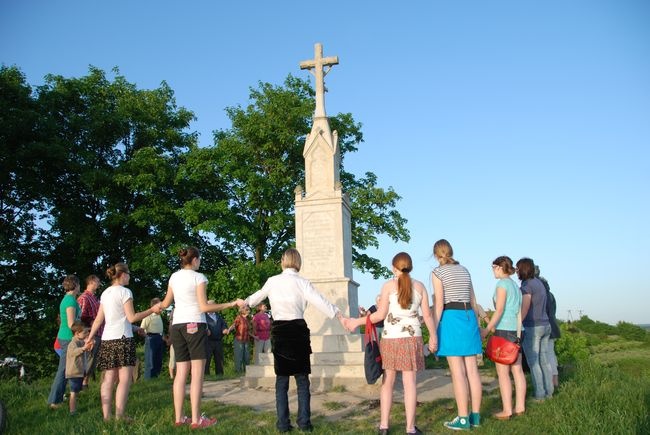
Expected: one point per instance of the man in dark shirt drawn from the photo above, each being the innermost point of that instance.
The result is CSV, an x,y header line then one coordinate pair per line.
x,y
217,327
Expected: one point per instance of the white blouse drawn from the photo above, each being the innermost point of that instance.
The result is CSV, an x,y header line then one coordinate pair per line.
x,y
289,293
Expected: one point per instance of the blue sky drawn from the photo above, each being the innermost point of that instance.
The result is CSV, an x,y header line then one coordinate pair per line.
x,y
508,127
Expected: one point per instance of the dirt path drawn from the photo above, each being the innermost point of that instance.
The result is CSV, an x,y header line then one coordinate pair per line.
x,y
431,385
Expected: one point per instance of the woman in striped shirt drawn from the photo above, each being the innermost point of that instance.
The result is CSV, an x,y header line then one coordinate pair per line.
x,y
459,339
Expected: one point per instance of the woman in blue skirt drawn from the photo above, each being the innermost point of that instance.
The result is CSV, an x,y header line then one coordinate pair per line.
x,y
459,337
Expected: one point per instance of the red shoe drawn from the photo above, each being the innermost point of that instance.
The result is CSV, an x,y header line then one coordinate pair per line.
x,y
184,420
203,423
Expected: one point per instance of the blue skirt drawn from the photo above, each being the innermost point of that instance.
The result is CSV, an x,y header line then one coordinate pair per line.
x,y
458,334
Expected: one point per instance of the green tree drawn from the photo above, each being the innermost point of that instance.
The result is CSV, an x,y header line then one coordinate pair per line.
x,y
259,160
25,181
120,150
94,170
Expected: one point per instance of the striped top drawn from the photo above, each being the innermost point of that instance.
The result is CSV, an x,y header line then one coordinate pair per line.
x,y
456,282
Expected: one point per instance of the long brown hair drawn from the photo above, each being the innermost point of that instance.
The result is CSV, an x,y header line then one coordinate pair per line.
x,y
404,264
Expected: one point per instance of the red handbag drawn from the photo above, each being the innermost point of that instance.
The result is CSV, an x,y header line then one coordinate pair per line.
x,y
501,350
504,351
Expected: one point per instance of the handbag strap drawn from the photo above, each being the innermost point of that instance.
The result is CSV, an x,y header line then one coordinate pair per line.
x,y
371,331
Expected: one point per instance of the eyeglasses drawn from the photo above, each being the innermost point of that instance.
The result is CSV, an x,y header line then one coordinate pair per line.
x,y
494,266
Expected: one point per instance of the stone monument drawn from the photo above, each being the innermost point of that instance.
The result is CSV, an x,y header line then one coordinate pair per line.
x,y
323,217
324,239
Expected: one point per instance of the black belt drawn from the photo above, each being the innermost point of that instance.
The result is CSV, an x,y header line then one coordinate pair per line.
x,y
457,306
150,334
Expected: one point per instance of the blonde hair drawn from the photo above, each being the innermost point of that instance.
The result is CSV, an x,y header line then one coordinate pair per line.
x,y
404,264
291,259
443,251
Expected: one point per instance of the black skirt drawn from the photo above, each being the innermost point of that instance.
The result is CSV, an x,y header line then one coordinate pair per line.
x,y
114,354
291,347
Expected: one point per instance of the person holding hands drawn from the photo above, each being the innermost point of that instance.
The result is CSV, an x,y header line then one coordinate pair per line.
x,y
117,352
400,302
289,293
459,337
188,290
505,322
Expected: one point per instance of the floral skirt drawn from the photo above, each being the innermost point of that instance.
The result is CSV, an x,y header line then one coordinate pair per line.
x,y
118,353
402,354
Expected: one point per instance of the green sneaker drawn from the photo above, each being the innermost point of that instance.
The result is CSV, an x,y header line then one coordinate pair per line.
x,y
475,419
458,423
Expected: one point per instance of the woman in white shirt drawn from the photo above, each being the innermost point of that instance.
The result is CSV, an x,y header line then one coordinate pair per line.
x,y
117,352
188,290
288,295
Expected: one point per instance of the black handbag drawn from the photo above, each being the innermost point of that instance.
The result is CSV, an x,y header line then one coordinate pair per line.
x,y
372,358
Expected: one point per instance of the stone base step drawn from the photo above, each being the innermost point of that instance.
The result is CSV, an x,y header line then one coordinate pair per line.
x,y
329,371
320,358
337,343
319,384
336,361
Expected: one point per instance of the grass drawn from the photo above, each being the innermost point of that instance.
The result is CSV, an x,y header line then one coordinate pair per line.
x,y
610,394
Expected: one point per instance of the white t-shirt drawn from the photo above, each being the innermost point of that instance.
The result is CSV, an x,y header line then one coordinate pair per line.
x,y
116,324
186,305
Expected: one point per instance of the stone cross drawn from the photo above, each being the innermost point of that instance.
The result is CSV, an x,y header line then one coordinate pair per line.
x,y
321,66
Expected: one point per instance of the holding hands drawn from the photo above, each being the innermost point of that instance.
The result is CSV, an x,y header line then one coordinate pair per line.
x,y
352,323
88,345
433,343
157,309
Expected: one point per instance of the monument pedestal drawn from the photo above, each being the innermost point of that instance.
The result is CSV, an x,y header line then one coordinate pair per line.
x,y
336,361
324,240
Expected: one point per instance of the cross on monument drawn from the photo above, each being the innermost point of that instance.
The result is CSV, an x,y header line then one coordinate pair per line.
x,y
321,66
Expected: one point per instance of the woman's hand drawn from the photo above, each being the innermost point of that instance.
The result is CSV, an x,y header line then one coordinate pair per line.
x,y
484,332
433,343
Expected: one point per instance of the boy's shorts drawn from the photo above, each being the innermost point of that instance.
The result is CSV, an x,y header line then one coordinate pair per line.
x,y
188,340
75,384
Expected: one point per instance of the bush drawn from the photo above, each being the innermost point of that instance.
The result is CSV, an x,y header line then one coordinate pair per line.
x,y
572,346
632,332
594,327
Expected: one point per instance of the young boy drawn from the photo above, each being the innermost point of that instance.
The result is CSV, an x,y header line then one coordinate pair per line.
x,y
78,361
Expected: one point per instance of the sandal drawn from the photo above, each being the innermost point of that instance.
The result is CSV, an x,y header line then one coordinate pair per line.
x,y
203,423
183,421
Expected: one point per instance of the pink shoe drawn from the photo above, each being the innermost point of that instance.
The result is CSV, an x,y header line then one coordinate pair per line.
x,y
184,420
204,422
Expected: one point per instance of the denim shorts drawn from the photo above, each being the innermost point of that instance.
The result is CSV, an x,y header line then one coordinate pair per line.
x,y
510,336
75,384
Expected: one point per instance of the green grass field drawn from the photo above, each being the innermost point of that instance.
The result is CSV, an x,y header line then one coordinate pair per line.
x,y
609,393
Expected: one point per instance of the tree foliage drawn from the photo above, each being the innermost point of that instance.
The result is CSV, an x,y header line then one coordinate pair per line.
x,y
260,161
94,170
